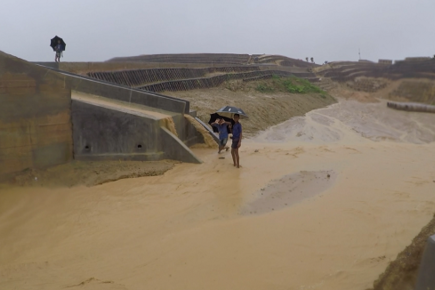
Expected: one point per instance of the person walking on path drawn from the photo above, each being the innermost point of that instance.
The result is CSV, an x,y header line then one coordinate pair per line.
x,y
237,140
222,127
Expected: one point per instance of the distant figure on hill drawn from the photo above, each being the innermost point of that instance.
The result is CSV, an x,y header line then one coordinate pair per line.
x,y
312,60
58,48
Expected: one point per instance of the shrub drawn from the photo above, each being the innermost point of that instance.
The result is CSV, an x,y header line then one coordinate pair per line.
x,y
291,84
264,88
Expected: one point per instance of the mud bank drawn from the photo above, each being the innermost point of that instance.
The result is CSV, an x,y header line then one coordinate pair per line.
x,y
264,109
402,273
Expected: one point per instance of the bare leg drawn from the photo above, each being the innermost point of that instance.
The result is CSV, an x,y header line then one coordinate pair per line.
x,y
236,153
233,154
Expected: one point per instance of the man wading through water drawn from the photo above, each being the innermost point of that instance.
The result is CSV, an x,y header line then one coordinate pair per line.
x,y
237,140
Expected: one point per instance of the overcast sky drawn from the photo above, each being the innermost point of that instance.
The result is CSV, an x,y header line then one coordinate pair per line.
x,y
97,30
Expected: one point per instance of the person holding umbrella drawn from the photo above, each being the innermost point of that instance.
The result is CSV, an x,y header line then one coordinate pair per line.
x,y
235,113
58,48
222,127
58,45
237,140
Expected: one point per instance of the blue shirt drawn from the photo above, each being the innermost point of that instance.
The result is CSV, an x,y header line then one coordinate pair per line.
x,y
237,130
223,131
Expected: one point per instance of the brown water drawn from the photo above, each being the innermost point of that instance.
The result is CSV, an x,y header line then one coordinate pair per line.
x,y
208,139
209,226
170,125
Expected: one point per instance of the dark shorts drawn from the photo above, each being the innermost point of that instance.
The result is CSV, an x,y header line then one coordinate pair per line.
x,y
223,142
235,143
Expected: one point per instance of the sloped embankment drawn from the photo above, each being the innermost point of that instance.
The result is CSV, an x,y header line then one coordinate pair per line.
x,y
401,274
415,90
265,109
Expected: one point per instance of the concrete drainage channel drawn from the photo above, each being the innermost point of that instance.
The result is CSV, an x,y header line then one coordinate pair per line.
x,y
115,122
105,129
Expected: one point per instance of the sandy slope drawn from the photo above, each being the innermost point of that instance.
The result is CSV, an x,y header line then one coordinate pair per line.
x,y
208,226
264,109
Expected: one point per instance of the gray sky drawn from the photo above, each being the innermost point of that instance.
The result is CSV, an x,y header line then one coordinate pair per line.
x,y
96,30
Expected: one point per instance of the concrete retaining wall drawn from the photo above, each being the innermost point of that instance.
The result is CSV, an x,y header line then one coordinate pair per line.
x,y
186,132
100,132
174,107
35,121
39,121
108,134
122,93
175,149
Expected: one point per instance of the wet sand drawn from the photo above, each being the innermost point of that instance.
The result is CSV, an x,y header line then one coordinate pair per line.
x,y
89,173
190,228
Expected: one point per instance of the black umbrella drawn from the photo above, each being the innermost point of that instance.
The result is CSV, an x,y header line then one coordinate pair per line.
x,y
54,42
215,116
229,111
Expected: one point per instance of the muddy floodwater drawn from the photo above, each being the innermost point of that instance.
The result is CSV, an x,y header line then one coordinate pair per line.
x,y
323,201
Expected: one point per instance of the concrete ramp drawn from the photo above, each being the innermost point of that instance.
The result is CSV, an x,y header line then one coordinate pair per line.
x,y
129,108
109,129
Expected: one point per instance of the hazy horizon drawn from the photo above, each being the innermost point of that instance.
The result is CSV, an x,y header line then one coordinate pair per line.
x,y
325,30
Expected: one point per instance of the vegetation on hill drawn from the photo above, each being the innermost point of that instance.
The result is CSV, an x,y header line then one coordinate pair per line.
x,y
291,84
